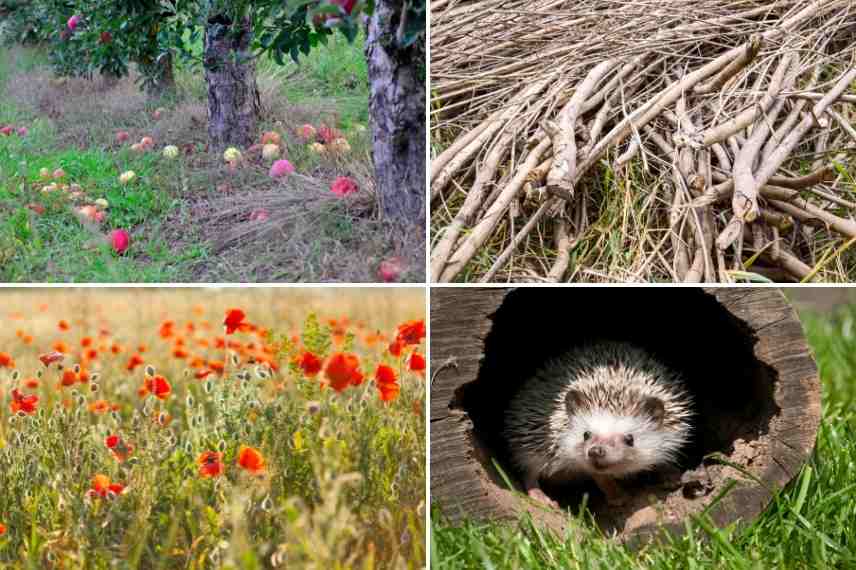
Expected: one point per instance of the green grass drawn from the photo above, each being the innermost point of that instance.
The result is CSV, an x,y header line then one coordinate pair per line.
x,y
808,525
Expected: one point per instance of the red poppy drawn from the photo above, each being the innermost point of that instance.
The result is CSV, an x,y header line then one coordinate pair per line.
x,y
2,529
156,385
22,403
235,321
51,357
63,325
203,374
310,364
102,487
179,352
386,383
166,329
118,447
417,362
6,360
62,347
385,375
411,332
250,459
86,342
210,464
343,370
69,378
31,383
99,407
134,361
395,348
388,392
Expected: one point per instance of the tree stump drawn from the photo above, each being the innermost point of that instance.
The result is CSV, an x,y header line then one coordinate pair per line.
x,y
741,351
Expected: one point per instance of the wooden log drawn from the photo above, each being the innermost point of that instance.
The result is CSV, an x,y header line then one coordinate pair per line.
x,y
741,351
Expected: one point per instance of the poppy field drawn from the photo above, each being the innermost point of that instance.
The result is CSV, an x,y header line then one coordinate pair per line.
x,y
206,428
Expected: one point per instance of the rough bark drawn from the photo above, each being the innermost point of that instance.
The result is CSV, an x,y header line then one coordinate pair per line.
x,y
230,73
397,108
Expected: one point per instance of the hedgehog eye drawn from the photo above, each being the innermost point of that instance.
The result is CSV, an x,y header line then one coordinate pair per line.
x,y
628,439
586,435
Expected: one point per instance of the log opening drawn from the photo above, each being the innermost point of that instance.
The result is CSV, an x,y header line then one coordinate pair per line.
x,y
742,355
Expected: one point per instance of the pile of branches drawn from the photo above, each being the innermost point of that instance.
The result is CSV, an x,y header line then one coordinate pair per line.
x,y
736,115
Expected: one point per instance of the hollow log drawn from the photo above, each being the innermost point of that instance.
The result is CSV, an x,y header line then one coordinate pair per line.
x,y
741,352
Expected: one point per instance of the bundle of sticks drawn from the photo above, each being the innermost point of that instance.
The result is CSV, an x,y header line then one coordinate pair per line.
x,y
738,115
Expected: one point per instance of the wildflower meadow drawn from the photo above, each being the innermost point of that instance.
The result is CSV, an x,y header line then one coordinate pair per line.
x,y
212,428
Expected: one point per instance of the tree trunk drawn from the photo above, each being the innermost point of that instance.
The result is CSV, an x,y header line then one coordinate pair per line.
x,y
230,73
397,108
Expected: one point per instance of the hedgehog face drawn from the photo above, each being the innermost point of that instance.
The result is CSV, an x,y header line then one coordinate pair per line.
x,y
610,444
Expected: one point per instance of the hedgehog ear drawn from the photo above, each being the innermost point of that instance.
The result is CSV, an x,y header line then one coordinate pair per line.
x,y
655,409
574,400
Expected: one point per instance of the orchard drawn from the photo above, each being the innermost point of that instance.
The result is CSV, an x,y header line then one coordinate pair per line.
x,y
224,46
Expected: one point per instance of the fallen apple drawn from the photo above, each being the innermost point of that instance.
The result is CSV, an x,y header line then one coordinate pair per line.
x,y
271,137
281,168
170,152
343,186
122,136
232,155
127,177
59,174
390,269
307,132
270,151
120,240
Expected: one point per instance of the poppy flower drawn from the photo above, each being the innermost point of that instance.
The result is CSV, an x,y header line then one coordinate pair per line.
x,y
235,321
6,360
386,383
63,325
411,332
343,370
388,392
385,375
2,529
250,459
133,362
62,347
395,348
103,487
99,407
31,383
156,385
22,403
69,378
417,362
118,447
86,342
210,464
51,357
166,329
310,364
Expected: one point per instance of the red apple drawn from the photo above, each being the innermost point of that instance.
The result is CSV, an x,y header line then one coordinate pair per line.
x,y
120,240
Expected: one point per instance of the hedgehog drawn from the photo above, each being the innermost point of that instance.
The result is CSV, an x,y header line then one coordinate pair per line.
x,y
606,411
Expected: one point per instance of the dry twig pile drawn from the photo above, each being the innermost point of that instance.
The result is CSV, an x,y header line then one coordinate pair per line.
x,y
723,129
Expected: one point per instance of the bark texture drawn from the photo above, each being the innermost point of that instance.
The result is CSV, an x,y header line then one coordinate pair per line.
x,y
230,73
397,108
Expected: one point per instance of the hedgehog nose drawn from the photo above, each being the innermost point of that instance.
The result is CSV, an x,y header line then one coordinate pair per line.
x,y
596,452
